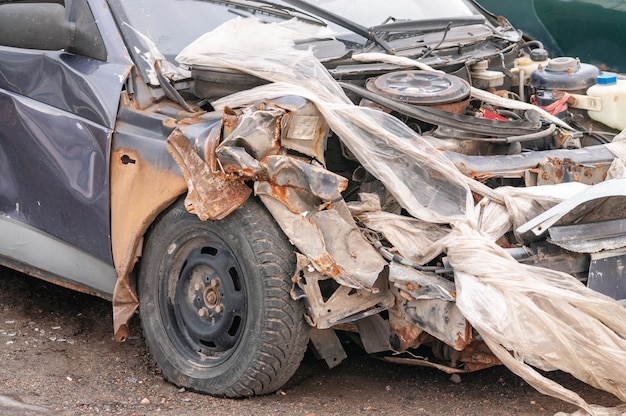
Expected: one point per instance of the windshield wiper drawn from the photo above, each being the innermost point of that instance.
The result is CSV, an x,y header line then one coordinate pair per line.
x,y
343,22
269,8
428,25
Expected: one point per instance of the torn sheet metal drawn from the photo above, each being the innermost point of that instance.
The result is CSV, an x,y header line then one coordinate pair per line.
x,y
302,126
330,304
383,144
208,196
336,248
290,172
236,162
403,333
421,285
441,319
305,131
590,237
253,142
257,131
140,190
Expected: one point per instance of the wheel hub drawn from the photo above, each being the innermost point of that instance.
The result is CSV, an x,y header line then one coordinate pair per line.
x,y
209,301
211,297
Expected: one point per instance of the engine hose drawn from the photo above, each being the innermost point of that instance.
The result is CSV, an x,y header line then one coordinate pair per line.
x,y
389,256
532,136
516,139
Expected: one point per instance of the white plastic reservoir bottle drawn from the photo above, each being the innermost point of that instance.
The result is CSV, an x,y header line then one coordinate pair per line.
x,y
613,94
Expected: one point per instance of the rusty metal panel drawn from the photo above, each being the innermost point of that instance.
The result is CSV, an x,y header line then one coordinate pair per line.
x,y
403,333
336,304
441,319
291,172
477,356
334,246
421,285
555,170
140,190
507,166
208,196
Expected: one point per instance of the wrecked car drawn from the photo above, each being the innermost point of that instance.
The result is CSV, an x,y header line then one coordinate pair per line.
x,y
253,176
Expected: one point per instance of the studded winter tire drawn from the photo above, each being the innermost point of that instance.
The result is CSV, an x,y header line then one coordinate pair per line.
x,y
215,306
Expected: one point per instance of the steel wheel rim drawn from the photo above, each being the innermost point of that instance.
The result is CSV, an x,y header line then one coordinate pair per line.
x,y
204,300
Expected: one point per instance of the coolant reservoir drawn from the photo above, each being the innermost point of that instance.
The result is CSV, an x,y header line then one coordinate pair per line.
x,y
612,92
565,74
527,65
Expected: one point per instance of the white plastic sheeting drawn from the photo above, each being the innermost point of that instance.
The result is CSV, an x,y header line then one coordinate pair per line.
x,y
528,316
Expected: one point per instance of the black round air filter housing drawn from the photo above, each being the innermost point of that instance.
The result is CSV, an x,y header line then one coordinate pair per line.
x,y
422,88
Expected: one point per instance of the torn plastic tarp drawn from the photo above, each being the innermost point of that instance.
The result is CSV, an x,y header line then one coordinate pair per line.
x,y
532,316
443,193
550,319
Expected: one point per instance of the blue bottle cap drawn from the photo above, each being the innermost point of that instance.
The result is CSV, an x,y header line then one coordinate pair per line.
x,y
606,78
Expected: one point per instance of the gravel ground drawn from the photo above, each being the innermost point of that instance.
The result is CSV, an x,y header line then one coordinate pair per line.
x,y
59,358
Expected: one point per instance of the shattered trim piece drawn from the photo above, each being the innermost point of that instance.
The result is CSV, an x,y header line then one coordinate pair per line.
x,y
541,223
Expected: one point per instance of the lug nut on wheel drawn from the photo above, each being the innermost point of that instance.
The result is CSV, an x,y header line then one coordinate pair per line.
x,y
203,312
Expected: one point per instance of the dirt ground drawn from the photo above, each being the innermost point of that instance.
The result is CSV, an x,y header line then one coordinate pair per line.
x,y
59,358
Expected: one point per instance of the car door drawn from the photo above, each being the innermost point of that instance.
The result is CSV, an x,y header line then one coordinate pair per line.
x,y
57,111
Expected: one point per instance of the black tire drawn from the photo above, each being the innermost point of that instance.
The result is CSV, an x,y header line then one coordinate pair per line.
x,y
251,335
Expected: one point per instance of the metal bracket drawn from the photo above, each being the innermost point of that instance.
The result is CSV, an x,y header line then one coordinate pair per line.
x,y
339,304
326,346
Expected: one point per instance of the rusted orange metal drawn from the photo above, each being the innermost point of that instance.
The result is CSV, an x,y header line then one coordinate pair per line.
x,y
477,356
208,196
139,192
404,335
